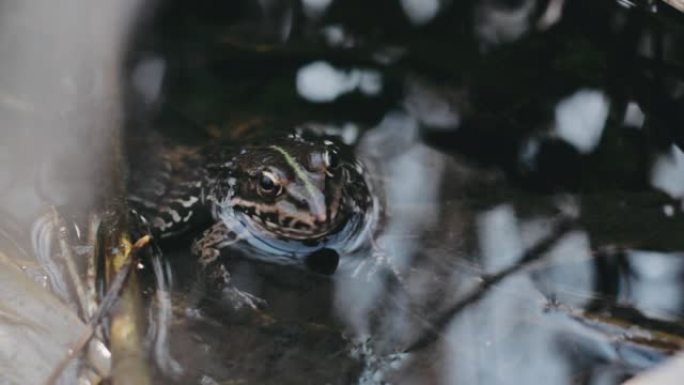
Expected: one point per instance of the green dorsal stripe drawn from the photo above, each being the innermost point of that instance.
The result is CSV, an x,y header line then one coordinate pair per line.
x,y
310,188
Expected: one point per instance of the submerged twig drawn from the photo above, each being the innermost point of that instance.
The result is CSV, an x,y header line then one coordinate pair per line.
x,y
70,261
527,260
91,266
120,277
107,303
128,362
630,328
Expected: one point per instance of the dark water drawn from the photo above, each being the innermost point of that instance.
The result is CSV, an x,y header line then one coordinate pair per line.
x,y
530,157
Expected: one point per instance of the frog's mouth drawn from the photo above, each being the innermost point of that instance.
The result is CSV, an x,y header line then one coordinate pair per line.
x,y
300,227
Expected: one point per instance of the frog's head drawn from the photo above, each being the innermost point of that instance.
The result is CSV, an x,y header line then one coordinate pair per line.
x,y
296,189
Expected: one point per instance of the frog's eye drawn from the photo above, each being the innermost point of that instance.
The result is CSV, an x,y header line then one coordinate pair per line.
x,y
332,159
268,185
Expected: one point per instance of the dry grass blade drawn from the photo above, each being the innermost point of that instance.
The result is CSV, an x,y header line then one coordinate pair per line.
x,y
129,364
70,261
107,303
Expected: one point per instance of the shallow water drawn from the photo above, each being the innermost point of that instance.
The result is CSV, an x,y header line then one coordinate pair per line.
x,y
527,155
522,159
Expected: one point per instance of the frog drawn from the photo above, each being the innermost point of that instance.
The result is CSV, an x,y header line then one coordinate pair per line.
x,y
284,201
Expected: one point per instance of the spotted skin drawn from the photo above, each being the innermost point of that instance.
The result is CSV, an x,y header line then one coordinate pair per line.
x,y
167,190
278,202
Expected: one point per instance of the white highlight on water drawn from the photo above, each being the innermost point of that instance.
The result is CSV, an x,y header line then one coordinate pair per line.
x,y
655,285
667,173
581,117
431,105
320,82
420,12
634,116
315,8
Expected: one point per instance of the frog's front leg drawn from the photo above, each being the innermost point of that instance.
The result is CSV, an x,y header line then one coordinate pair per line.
x,y
208,247
208,250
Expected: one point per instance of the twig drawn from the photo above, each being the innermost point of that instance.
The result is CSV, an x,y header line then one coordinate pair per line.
x,y
91,266
70,261
105,306
622,325
527,260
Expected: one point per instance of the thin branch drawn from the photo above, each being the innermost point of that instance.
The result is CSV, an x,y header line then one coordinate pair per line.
x,y
527,260
105,306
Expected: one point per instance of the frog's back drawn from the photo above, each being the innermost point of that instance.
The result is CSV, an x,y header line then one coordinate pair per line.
x,y
287,197
166,184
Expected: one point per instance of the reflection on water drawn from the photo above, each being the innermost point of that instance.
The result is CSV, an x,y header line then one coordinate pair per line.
x,y
580,119
497,22
320,82
654,284
510,332
668,172
411,209
420,12
634,116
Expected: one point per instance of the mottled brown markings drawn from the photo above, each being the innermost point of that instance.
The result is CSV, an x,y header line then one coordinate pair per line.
x,y
322,189
261,210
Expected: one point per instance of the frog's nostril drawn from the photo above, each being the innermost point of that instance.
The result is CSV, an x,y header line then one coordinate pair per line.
x,y
321,217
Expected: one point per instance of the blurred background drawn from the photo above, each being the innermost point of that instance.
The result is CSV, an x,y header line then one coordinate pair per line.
x,y
528,154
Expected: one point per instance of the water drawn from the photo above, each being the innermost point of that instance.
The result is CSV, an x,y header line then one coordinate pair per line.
x,y
491,126
528,156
